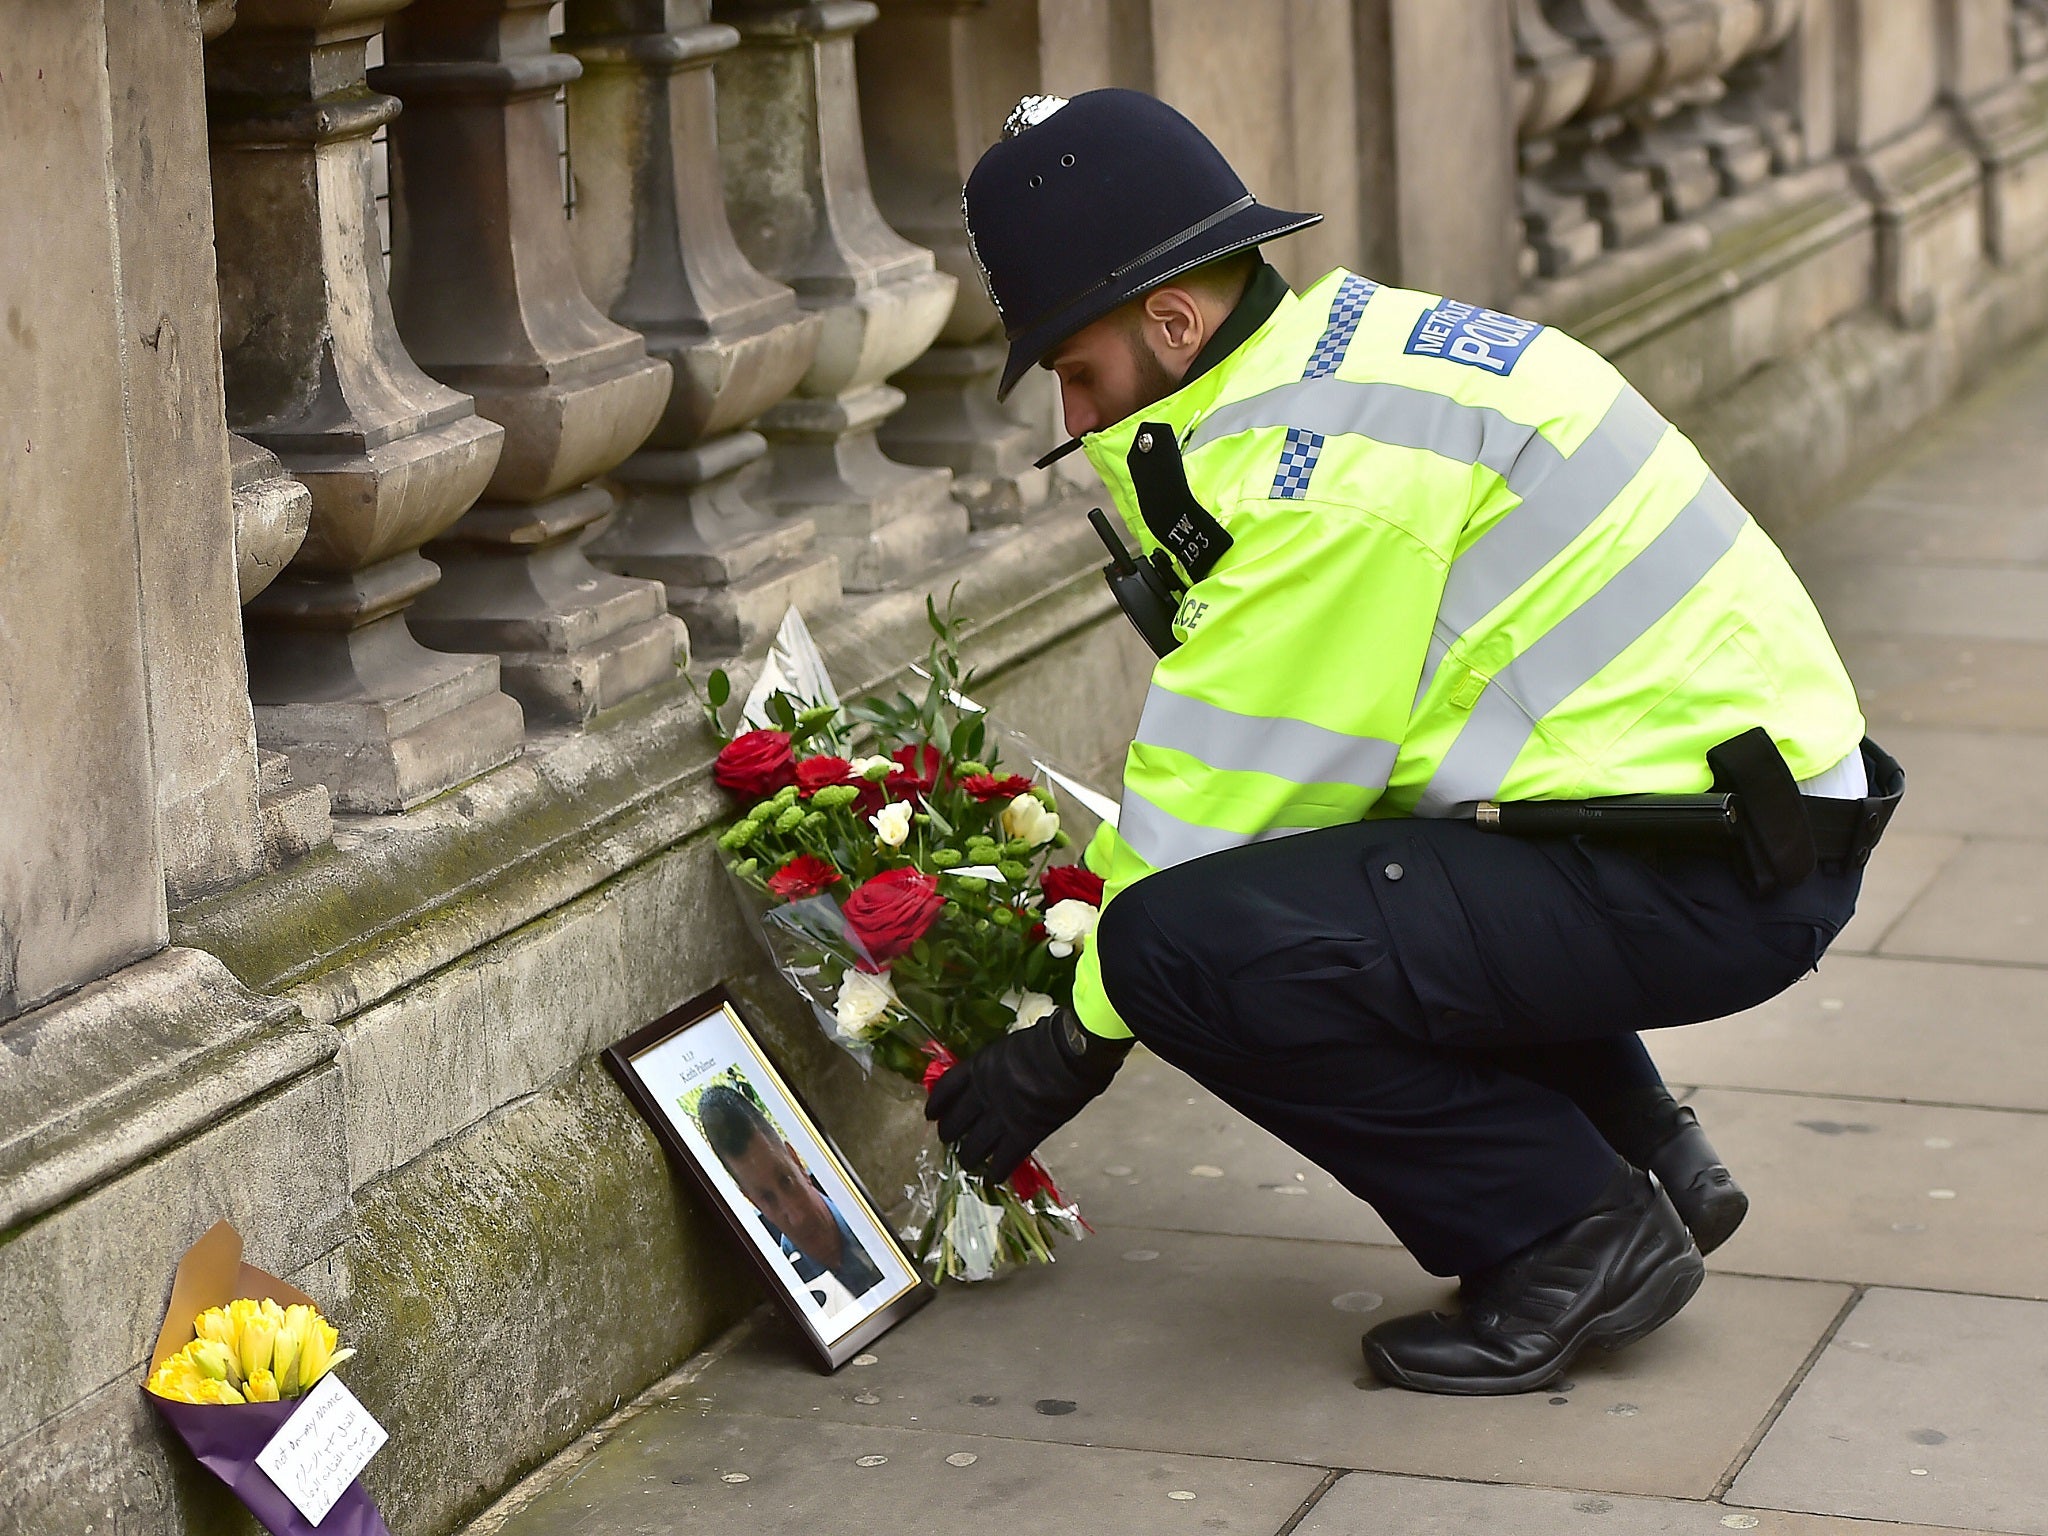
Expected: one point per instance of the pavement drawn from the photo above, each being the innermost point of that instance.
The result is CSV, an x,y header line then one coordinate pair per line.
x,y
1869,1354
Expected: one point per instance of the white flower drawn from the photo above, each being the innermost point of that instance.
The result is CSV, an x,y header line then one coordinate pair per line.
x,y
1026,817
892,824
1029,1007
1068,926
874,769
864,1002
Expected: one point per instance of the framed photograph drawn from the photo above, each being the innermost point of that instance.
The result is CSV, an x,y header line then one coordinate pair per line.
x,y
729,1119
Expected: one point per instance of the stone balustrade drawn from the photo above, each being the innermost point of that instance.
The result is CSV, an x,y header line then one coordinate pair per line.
x,y
421,537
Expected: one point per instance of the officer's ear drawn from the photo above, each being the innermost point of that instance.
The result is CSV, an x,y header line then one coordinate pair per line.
x,y
1175,323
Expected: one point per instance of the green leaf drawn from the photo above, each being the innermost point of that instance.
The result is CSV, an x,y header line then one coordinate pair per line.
x,y
783,711
718,688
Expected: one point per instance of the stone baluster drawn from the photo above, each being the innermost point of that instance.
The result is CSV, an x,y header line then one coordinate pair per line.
x,y
1680,168
789,137
1625,55
485,289
656,252
1552,79
1736,148
316,373
937,78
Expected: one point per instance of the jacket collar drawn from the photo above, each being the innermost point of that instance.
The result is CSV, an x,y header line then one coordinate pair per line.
x,y
1263,294
1265,298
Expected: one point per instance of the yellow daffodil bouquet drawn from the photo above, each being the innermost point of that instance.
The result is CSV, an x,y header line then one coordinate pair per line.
x,y
250,1351
239,1352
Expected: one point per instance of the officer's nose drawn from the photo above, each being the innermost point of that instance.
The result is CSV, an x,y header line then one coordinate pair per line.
x,y
1081,415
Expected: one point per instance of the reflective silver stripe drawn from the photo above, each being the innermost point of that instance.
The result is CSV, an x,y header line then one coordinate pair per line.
x,y
1163,840
1386,413
1286,748
1579,647
1561,497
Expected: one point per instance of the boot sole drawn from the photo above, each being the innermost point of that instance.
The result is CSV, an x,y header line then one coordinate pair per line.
x,y
1711,1209
1662,1297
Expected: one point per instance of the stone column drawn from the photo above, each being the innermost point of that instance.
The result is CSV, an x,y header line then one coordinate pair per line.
x,y
1436,107
1910,160
796,182
81,882
1625,55
2002,120
937,78
485,289
316,374
655,251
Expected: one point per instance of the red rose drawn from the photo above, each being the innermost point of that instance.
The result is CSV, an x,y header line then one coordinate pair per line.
x,y
917,770
986,786
816,773
1070,882
804,875
892,912
756,765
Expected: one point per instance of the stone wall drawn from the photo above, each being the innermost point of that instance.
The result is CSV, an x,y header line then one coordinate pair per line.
x,y
366,489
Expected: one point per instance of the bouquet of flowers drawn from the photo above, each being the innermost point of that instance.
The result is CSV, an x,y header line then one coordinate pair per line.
x,y
905,880
239,1352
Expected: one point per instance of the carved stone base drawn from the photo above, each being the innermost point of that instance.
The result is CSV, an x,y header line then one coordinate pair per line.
x,y
950,419
1928,188
1682,172
2008,132
340,684
729,568
295,818
885,521
1561,235
1621,197
571,639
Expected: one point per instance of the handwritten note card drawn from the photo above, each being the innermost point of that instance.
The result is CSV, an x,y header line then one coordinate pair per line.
x,y
323,1445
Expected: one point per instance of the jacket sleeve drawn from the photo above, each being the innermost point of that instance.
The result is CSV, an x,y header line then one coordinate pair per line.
x,y
1284,707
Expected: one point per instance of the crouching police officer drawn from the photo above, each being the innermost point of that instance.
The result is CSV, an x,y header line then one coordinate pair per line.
x,y
1423,577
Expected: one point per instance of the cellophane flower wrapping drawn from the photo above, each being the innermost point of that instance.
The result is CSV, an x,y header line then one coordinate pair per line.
x,y
915,885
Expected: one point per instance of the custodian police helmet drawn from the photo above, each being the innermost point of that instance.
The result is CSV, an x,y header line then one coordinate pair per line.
x,y
1088,203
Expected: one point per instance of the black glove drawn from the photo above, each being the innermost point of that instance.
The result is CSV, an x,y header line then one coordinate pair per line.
x,y
995,1108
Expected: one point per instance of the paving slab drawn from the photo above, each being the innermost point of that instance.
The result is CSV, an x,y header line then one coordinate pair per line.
x,y
1988,902
1938,680
1974,601
1924,1030
1970,781
1158,1150
674,1469
1904,865
1885,1194
1923,1408
1370,1503
1247,1347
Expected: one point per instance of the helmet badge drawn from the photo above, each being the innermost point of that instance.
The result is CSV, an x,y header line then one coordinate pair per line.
x,y
1030,112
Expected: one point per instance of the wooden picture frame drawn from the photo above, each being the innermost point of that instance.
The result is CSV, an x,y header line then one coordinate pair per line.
x,y
748,1144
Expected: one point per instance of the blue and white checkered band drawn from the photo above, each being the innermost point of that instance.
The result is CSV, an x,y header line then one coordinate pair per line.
x,y
1346,310
1298,457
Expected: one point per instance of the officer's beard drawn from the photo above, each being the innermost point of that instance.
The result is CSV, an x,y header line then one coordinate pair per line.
x,y
1154,381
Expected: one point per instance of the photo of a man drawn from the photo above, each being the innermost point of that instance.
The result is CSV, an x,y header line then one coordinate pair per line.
x,y
791,1206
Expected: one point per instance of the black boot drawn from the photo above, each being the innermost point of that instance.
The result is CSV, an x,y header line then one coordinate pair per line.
x,y
1702,1189
1619,1272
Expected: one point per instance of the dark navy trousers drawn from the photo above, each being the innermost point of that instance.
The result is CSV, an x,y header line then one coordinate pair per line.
x,y
1422,1008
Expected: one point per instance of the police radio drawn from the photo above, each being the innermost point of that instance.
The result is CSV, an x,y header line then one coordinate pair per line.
x,y
1148,591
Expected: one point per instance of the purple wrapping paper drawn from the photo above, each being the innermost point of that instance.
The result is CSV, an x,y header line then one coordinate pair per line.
x,y
227,1438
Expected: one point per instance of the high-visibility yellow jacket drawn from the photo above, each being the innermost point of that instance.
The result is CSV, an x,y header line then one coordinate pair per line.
x,y
1468,562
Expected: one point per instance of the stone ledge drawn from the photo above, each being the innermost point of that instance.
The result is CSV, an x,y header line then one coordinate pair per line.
x,y
131,1064
399,897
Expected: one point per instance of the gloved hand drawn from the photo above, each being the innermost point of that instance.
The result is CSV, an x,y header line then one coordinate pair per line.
x,y
995,1108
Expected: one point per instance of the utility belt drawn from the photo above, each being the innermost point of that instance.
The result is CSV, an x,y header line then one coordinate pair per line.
x,y
1755,812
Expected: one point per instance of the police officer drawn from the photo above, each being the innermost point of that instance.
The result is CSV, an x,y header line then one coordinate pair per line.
x,y
1428,560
